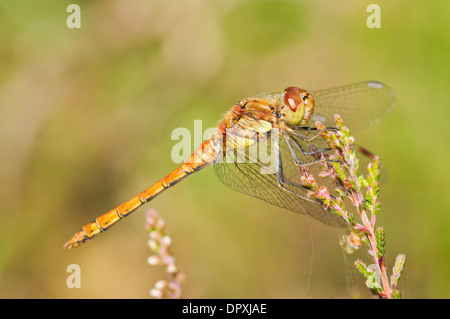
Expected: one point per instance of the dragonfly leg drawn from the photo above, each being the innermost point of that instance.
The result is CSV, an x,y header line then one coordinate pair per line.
x,y
307,128
318,154
282,182
302,150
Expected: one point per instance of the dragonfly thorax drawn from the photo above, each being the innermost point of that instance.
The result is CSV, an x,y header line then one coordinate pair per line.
x,y
298,106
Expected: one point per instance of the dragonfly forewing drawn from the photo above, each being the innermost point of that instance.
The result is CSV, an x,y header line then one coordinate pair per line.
x,y
360,104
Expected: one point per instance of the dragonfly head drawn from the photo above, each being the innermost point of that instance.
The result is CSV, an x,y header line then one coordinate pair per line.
x,y
298,105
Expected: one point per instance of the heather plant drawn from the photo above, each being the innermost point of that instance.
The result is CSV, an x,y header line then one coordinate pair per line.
x,y
342,168
160,244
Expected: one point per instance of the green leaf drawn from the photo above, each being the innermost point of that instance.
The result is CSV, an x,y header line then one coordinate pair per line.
x,y
361,266
396,294
397,270
381,242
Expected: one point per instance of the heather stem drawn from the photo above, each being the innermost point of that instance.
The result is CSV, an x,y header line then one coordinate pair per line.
x,y
369,230
379,260
343,169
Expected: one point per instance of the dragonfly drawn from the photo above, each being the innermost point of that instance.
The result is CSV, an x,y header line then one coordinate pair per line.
x,y
281,122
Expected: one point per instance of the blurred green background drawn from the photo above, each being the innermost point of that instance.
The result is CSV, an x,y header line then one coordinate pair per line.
x,y
86,117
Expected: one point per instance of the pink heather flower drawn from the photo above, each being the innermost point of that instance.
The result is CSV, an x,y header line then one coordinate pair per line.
x,y
155,235
155,293
322,192
168,260
311,194
151,218
161,284
153,245
160,224
172,269
166,241
304,180
154,260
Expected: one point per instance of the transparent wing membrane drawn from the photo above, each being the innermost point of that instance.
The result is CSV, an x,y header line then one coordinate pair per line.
x,y
261,179
359,105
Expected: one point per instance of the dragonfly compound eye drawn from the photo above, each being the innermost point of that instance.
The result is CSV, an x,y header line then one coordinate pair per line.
x,y
293,97
298,105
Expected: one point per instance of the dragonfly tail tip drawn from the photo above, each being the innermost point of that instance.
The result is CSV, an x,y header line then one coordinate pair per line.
x,y
70,244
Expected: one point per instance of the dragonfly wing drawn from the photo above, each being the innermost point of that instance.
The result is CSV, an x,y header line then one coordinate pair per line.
x,y
256,176
292,175
360,105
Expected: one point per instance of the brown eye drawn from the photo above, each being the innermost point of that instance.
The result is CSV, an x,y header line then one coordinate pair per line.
x,y
293,97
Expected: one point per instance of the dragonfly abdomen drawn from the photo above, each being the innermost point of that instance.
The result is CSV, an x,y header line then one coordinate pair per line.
x,y
200,159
